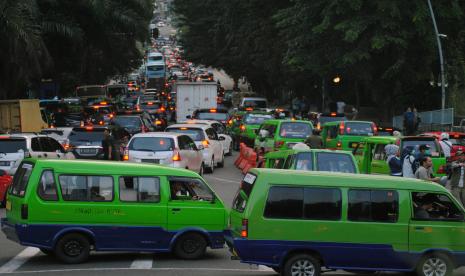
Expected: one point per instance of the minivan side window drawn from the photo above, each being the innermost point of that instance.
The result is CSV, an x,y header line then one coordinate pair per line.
x,y
47,189
139,189
189,189
435,207
86,188
332,132
20,180
373,206
322,203
285,203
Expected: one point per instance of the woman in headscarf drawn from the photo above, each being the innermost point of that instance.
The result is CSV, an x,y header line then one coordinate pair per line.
x,y
393,160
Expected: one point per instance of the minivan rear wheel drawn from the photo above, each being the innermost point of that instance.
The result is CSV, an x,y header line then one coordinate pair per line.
x,y
190,246
302,265
435,264
73,248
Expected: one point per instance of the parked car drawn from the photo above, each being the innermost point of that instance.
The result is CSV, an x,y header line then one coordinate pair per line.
x,y
164,148
206,136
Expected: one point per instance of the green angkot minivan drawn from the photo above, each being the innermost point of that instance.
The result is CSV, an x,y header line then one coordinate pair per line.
x,y
281,134
66,208
302,222
345,135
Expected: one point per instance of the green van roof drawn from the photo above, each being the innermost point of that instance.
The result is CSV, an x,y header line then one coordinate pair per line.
x,y
337,122
109,167
381,139
276,176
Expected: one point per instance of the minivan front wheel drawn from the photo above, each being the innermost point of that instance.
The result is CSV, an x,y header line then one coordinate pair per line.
x,y
190,246
73,248
435,264
302,265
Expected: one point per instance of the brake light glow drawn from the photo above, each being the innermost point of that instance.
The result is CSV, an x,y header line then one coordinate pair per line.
x,y
205,143
318,126
249,109
341,128
162,108
100,123
149,103
158,122
375,128
278,144
103,103
212,110
333,114
230,122
242,127
176,156
245,228
126,154
339,144
89,128
183,128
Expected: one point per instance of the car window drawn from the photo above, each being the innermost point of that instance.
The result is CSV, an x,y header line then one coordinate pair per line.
x,y
304,161
35,144
86,188
358,128
379,153
47,188
151,144
190,189
322,203
373,206
139,189
332,132
295,130
284,203
288,162
12,145
211,134
434,207
219,128
21,179
182,143
196,134
335,162
45,145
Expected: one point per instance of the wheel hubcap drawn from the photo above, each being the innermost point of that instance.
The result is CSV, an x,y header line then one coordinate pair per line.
x,y
190,246
302,268
435,267
73,248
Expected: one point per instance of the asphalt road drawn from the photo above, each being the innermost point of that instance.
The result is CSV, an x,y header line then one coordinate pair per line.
x,y
16,259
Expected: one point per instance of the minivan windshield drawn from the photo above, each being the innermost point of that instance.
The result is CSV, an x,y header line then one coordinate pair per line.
x,y
12,145
358,128
212,116
152,144
256,119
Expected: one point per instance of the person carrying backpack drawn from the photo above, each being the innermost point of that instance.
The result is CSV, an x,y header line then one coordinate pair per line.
x,y
407,161
446,145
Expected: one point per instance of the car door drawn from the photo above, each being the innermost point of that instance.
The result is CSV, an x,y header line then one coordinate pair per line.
x,y
215,143
59,150
440,226
220,130
184,151
36,148
193,205
378,160
197,157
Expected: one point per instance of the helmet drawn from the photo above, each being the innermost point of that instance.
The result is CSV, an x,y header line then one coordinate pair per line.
x,y
444,136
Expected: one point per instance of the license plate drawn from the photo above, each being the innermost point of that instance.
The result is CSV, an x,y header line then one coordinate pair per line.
x,y
4,163
8,206
154,161
88,151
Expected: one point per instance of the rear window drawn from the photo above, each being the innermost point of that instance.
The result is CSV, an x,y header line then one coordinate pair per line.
x,y
240,201
155,58
129,122
335,162
12,145
83,135
155,68
295,130
304,161
415,144
254,119
323,119
255,103
152,144
358,129
196,134
21,178
212,116
150,105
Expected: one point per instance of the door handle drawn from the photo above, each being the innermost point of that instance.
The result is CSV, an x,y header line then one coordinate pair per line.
x,y
176,209
45,155
419,228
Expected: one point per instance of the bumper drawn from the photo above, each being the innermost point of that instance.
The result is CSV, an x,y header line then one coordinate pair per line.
x,y
9,230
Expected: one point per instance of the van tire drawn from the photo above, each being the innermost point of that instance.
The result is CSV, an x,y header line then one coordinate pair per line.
x,y
221,164
73,248
302,261
230,152
201,169
211,166
190,246
48,252
439,261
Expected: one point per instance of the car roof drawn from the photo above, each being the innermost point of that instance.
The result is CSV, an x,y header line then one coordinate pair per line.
x,y
381,139
345,122
158,134
99,167
277,121
292,151
254,98
27,135
189,126
346,180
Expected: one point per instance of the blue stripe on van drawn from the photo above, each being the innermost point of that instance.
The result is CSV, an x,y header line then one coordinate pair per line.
x,y
335,255
106,238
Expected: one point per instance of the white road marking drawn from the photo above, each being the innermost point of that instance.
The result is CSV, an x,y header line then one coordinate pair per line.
x,y
19,260
144,262
264,268
222,179
123,269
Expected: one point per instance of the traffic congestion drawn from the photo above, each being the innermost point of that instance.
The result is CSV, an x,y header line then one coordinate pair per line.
x,y
178,169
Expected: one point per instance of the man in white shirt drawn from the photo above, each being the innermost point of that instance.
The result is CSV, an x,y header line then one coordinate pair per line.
x,y
457,177
446,145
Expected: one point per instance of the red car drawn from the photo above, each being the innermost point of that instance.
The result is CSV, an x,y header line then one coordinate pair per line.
x,y
5,182
456,138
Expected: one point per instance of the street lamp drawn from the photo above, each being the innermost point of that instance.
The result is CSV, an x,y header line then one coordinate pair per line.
x,y
441,57
337,80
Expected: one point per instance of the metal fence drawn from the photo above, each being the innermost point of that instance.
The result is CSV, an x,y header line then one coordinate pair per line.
x,y
439,120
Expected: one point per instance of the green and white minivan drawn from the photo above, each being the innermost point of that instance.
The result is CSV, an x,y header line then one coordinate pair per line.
x,y
302,222
70,207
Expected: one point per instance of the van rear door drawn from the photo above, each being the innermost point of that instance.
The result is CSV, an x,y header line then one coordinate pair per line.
x,y
237,214
16,209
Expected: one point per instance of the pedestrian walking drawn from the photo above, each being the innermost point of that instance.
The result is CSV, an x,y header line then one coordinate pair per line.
x,y
110,152
393,159
315,141
446,145
409,122
407,161
457,185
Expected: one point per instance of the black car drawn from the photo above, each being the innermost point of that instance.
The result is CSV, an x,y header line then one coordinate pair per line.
x,y
86,142
134,122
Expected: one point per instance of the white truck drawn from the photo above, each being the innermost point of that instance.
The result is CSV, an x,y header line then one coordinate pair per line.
x,y
191,96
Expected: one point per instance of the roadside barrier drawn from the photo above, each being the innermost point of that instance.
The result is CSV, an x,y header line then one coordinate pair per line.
x,y
241,155
251,161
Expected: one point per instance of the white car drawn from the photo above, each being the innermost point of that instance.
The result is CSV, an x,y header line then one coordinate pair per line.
x,y
160,24
15,147
171,149
221,130
206,136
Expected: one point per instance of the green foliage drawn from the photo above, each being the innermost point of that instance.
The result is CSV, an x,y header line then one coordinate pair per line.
x,y
72,42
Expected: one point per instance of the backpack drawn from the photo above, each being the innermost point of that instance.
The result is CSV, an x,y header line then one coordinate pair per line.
x,y
409,118
415,164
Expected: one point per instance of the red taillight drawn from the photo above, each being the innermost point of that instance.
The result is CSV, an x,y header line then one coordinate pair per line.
x,y
230,122
278,144
126,155
158,122
375,128
66,146
339,144
341,128
242,127
176,156
245,228
101,123
442,169
205,143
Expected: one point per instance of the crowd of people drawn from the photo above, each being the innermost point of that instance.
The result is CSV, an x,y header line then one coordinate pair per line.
x,y
419,164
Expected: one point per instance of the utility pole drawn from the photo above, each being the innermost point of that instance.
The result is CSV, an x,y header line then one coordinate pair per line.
x,y
441,57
